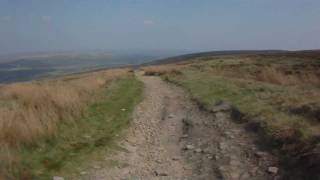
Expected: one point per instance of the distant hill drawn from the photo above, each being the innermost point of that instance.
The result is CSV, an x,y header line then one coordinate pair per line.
x,y
23,67
186,57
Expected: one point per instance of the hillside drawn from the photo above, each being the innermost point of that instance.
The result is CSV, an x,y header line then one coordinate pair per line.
x,y
275,95
204,55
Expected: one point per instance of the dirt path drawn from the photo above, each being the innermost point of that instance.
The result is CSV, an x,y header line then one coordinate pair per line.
x,y
170,138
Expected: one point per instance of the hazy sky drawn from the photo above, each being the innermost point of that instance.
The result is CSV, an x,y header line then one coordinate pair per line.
x,y
48,25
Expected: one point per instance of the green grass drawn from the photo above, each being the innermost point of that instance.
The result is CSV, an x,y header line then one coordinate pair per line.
x,y
78,141
262,103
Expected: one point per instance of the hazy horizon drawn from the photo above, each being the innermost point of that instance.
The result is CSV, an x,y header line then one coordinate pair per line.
x,y
70,25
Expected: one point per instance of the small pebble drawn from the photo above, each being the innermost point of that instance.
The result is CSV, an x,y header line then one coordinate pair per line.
x,y
57,178
96,167
171,116
189,147
160,174
273,170
175,158
198,150
83,173
185,136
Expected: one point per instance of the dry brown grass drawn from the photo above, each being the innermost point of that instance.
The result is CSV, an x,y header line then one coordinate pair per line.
x,y
162,70
278,76
33,110
271,74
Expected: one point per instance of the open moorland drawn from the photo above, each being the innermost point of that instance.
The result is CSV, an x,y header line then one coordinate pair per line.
x,y
251,115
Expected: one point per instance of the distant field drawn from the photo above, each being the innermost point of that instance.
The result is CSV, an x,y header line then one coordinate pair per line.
x,y
22,75
24,68
277,95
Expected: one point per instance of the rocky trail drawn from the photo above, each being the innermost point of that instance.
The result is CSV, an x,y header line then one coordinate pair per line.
x,y
171,138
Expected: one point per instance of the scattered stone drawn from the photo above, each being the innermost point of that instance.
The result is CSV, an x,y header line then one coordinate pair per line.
x,y
273,170
217,157
83,173
189,147
185,136
163,174
187,168
198,150
175,158
187,122
86,136
57,178
171,116
206,150
223,145
160,174
229,135
220,116
222,168
260,154
96,167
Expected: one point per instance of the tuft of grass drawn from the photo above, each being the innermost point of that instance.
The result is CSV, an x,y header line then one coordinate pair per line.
x,y
77,139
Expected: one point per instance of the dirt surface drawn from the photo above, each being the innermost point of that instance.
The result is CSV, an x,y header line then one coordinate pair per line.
x,y
171,138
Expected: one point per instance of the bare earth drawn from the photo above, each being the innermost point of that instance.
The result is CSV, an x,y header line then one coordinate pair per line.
x,y
171,138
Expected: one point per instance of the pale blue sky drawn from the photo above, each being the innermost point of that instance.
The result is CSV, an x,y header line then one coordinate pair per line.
x,y
198,25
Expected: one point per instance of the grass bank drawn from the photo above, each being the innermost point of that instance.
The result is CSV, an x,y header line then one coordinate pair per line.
x,y
262,104
77,140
